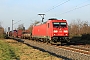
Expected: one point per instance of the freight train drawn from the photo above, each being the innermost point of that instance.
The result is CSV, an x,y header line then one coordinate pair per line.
x,y
52,31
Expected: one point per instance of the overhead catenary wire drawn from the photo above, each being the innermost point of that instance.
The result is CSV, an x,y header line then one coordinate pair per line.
x,y
66,9
54,7
76,7
73,9
78,4
57,6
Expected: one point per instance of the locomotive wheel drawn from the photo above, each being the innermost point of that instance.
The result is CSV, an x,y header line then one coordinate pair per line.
x,y
44,40
48,41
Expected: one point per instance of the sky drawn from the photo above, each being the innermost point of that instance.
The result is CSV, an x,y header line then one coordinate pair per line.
x,y
26,11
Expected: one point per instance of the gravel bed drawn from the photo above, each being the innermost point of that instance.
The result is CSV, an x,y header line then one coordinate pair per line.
x,y
62,53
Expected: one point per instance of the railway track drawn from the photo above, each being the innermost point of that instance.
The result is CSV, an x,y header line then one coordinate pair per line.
x,y
76,49
84,47
68,52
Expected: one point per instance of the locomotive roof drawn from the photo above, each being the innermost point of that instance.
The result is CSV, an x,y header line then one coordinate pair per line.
x,y
51,19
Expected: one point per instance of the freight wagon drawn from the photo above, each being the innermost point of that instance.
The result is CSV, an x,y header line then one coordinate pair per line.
x,y
16,33
26,34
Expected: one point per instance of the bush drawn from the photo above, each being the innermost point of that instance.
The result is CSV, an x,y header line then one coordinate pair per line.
x,y
86,36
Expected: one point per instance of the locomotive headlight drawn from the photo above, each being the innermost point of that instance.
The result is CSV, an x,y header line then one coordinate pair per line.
x,y
55,31
66,34
65,31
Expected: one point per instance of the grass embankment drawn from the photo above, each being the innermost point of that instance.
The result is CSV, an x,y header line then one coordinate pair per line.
x,y
6,51
24,52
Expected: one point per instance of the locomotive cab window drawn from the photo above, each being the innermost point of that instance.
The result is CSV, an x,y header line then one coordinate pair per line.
x,y
63,24
59,24
48,25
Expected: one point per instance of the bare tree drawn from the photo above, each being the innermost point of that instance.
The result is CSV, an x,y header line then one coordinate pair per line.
x,y
21,27
78,27
1,31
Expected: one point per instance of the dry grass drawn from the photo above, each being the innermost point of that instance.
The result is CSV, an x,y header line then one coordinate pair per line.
x,y
28,53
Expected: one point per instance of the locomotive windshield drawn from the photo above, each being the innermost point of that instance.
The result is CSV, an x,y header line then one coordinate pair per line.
x,y
59,24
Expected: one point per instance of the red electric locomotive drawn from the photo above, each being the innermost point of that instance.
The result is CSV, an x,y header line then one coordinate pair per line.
x,y
52,31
